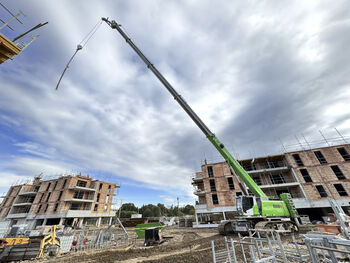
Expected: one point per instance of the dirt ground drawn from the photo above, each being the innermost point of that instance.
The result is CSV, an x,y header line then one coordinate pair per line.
x,y
182,245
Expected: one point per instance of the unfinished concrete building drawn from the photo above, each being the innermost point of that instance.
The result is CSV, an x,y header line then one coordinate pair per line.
x,y
310,176
73,200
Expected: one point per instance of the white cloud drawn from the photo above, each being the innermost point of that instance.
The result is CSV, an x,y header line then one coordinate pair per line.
x,y
252,72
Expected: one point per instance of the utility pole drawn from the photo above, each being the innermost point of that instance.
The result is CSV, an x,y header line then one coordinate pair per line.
x,y
120,209
177,212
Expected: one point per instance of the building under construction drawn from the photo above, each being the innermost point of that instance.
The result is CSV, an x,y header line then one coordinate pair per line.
x,y
73,200
9,48
310,176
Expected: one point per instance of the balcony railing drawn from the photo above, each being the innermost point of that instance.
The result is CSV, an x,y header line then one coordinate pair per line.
x,y
22,204
29,191
199,192
82,188
81,200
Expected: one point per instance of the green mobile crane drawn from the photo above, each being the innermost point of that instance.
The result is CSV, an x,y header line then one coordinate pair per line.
x,y
255,211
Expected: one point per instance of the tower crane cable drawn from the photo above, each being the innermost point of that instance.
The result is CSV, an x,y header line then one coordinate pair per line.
x,y
80,46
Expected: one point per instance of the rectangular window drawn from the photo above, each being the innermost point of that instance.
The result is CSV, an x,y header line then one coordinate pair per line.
x,y
41,197
36,189
338,173
56,206
109,189
78,195
306,176
215,199
48,187
298,160
48,197
60,196
257,180
212,185
320,157
321,191
39,208
54,186
277,179
46,207
95,207
98,198
230,183
344,154
64,183
75,206
100,187
81,183
210,171
340,189
238,193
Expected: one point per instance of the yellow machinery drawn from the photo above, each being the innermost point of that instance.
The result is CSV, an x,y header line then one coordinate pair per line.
x,y
10,241
50,241
20,248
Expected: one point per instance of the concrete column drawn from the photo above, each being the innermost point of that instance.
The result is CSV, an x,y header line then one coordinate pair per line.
x,y
80,221
61,221
223,213
44,223
110,221
98,222
196,218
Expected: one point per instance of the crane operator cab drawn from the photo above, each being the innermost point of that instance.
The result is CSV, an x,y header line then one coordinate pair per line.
x,y
245,205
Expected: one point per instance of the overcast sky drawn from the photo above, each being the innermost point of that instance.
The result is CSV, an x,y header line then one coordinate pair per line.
x,y
256,72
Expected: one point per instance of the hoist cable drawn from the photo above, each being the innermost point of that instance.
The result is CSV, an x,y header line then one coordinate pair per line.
x,y
80,47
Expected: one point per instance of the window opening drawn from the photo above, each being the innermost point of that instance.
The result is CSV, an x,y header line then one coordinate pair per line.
x,y
306,176
212,185
231,185
298,160
344,154
320,157
215,199
210,171
340,189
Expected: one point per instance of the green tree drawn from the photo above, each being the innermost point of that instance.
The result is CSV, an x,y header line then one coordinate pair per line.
x,y
163,209
156,211
129,207
147,212
127,214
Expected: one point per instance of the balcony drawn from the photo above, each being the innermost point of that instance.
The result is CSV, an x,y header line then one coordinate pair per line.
x,y
275,169
81,188
279,185
200,206
22,204
199,192
29,190
17,215
79,200
27,193
197,179
88,213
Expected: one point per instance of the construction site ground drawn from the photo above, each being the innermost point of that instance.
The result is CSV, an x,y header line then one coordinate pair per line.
x,y
182,245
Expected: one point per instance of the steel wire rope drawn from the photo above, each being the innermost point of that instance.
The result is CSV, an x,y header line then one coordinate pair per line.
x,y
80,47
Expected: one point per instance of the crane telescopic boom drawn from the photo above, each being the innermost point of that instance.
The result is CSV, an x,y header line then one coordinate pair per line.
x,y
231,161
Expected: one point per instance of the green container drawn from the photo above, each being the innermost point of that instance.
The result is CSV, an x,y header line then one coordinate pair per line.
x,y
140,228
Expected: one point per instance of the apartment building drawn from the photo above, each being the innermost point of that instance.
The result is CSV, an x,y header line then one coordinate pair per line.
x,y
73,200
310,176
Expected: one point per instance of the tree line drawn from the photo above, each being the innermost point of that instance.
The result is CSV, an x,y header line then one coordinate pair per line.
x,y
128,209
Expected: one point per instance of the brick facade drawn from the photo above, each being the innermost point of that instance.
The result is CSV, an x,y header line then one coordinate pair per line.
x,y
309,180
70,200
